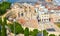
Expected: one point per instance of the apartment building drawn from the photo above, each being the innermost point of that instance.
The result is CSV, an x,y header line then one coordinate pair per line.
x,y
54,12
55,15
29,14
43,15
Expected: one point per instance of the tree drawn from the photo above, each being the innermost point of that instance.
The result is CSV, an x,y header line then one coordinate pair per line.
x,y
5,20
4,28
51,35
0,20
3,31
4,6
0,25
35,32
30,33
45,33
0,30
26,32
18,28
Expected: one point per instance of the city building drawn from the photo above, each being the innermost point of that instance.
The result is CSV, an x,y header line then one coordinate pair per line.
x,y
25,14
43,15
28,14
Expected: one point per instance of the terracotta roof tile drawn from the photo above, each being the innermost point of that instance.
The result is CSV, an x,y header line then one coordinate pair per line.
x,y
22,21
53,8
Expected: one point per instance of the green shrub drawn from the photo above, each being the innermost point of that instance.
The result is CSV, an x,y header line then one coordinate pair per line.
x,y
18,28
35,32
45,33
30,33
4,33
26,32
52,35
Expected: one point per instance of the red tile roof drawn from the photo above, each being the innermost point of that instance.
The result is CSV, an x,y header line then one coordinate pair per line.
x,y
53,8
22,21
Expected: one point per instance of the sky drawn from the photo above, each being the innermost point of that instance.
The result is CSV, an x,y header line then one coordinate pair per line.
x,y
0,0
56,1
21,0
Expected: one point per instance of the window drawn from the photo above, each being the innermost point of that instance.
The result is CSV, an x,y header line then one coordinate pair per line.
x,y
35,11
18,14
49,19
21,14
58,19
20,6
25,7
30,10
39,20
29,7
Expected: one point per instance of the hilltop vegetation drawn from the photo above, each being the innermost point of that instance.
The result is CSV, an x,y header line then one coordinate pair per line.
x,y
4,6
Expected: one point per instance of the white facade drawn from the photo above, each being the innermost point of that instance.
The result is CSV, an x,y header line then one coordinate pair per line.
x,y
43,15
55,15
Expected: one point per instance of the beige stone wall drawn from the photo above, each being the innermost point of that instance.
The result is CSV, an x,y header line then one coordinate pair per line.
x,y
54,17
29,14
